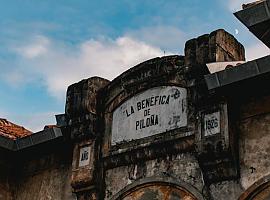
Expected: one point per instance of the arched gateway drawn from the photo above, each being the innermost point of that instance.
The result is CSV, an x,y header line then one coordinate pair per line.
x,y
260,190
158,189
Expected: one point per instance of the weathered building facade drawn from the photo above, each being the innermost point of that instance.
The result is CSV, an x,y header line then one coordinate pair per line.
x,y
167,129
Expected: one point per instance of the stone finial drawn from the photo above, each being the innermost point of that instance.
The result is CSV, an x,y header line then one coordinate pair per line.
x,y
218,46
81,96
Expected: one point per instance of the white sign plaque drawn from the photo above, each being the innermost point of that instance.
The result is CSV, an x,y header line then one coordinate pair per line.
x,y
212,124
151,112
84,156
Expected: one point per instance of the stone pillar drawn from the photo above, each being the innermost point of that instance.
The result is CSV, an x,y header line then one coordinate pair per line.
x,y
218,46
215,141
81,113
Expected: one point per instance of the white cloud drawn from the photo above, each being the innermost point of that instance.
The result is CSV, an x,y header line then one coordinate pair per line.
x,y
47,62
60,65
37,47
3,113
235,5
42,60
34,122
257,50
168,38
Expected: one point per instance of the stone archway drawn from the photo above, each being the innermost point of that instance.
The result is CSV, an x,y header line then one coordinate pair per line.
x,y
260,190
157,189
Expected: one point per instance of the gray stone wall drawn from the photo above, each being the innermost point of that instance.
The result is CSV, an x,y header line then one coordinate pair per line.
x,y
254,147
182,167
44,174
225,190
6,184
53,183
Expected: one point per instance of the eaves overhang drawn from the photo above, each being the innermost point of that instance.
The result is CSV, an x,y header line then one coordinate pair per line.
x,y
256,18
239,73
43,136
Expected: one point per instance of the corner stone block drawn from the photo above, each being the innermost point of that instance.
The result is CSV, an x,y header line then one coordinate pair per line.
x,y
83,165
225,46
81,96
218,46
81,110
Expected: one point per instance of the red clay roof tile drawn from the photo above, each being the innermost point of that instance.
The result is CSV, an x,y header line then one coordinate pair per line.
x,y
11,130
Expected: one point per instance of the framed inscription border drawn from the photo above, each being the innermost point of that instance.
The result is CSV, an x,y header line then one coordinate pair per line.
x,y
151,112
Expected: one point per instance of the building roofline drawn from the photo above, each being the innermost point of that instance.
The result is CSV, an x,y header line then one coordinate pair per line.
x,y
256,17
239,73
43,136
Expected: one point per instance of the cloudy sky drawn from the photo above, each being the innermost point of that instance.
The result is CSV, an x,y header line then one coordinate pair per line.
x,y
46,45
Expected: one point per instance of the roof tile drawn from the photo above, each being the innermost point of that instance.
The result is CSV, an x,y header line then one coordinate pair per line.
x,y
11,130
